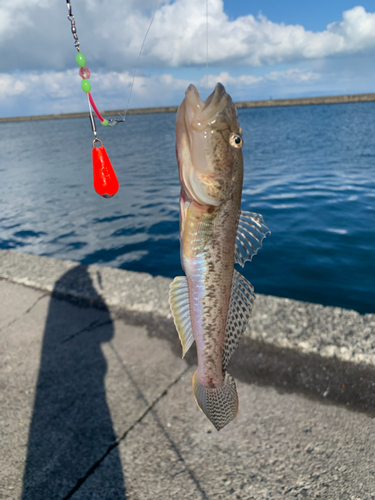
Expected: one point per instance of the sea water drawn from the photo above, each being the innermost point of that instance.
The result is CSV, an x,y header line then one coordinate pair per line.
x,y
309,170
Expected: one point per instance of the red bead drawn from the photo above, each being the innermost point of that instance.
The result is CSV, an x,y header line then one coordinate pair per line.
x,y
84,73
105,180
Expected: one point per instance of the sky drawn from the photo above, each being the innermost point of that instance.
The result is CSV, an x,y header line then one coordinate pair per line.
x,y
257,48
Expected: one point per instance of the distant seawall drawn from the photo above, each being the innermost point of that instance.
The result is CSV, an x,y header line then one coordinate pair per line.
x,y
301,101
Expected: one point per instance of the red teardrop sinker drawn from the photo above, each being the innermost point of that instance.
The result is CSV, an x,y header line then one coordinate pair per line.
x,y
105,180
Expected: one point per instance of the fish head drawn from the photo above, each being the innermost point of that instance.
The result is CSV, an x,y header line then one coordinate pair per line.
x,y
208,147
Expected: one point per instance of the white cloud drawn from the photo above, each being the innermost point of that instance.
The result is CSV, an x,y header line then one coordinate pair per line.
x,y
291,75
59,91
294,75
226,79
14,15
36,34
38,57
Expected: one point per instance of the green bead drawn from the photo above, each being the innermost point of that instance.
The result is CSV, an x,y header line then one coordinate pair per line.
x,y
86,86
105,122
81,59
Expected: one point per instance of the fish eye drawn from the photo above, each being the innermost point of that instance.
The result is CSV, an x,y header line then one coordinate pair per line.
x,y
236,141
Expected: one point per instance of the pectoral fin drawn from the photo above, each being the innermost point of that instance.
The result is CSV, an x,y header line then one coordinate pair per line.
x,y
250,234
240,309
180,307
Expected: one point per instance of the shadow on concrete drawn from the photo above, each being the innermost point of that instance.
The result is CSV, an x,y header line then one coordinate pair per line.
x,y
328,380
71,427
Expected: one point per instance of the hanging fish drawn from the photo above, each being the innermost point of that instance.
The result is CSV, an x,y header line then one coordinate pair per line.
x,y
213,303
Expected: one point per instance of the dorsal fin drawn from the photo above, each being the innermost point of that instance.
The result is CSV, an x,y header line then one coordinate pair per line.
x,y
240,309
250,233
180,307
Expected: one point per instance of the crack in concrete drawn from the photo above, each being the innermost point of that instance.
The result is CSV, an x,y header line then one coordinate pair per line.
x,y
159,424
147,410
24,313
92,326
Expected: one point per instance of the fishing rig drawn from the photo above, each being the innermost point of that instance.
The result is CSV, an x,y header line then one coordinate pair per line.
x,y
105,180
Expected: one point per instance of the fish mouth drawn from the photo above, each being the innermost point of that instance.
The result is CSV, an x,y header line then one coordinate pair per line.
x,y
201,127
201,113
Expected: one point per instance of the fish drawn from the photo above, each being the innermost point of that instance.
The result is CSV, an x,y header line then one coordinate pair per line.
x,y
213,302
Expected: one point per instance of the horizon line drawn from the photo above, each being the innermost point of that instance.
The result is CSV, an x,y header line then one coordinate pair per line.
x,y
265,103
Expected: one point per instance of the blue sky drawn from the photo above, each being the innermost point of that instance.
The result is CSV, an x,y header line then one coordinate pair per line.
x,y
257,49
313,15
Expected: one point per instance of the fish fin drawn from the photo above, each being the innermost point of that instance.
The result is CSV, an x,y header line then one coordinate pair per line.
x,y
219,404
180,307
250,234
240,309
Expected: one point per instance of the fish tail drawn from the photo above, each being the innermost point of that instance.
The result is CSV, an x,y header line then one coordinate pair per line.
x,y
219,404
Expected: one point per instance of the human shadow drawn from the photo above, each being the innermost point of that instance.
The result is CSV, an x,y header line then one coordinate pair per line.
x,y
71,428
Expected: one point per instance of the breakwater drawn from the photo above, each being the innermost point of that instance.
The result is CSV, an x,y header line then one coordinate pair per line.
x,y
300,101
325,352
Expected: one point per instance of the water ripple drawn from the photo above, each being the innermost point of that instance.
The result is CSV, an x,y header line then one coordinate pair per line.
x,y
309,170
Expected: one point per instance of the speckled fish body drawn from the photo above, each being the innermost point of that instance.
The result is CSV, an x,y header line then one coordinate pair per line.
x,y
213,303
207,259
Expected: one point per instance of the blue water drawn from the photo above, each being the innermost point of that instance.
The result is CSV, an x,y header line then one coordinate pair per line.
x,y
309,170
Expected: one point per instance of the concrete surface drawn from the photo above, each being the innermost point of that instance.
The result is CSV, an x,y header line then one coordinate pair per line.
x,y
326,352
96,402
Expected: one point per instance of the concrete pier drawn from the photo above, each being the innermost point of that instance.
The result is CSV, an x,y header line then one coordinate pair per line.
x,y
97,403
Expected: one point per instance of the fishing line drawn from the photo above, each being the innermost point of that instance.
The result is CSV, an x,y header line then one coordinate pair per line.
x,y
139,57
207,42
